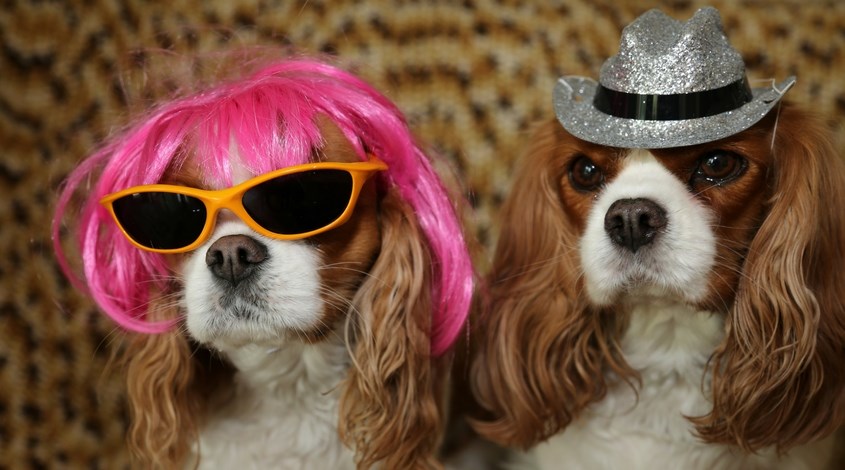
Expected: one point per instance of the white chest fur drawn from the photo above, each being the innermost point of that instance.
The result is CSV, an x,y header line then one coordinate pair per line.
x,y
669,345
283,412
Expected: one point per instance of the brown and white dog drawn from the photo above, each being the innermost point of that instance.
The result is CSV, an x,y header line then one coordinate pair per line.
x,y
667,287
325,351
273,384
679,307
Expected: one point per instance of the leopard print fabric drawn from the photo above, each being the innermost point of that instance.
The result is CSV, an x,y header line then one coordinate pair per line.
x,y
472,76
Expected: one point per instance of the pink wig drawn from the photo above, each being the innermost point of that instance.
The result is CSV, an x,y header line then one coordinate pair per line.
x,y
248,113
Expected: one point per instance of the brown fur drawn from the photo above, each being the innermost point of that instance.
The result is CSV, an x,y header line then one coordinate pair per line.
x,y
162,413
545,353
778,376
390,409
168,378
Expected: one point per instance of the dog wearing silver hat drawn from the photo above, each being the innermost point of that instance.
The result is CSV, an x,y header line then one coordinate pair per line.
x,y
667,286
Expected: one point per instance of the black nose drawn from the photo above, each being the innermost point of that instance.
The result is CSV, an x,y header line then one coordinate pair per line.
x,y
633,223
233,258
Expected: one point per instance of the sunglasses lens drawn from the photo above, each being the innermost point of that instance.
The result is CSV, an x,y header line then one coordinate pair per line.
x,y
300,202
162,221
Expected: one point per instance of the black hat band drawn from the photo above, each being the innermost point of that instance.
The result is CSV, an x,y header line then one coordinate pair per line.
x,y
673,107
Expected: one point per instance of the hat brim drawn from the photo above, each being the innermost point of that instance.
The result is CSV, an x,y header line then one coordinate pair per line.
x,y
573,103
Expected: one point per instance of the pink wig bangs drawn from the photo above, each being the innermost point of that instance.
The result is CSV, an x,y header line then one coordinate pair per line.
x,y
247,114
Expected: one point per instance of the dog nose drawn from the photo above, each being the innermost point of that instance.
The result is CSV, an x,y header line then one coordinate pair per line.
x,y
233,258
633,223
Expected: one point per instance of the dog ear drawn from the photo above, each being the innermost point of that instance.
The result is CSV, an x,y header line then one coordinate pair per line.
x,y
777,377
542,352
390,408
160,375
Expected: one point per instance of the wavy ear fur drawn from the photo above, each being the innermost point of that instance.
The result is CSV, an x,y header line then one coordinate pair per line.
x,y
778,376
160,374
542,357
390,407
165,378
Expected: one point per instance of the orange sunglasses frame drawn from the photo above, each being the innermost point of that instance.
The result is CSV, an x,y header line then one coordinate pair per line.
x,y
230,198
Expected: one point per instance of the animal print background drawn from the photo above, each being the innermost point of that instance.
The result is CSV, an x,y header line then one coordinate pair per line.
x,y
472,77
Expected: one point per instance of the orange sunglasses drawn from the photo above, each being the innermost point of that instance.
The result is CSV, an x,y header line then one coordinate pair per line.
x,y
287,204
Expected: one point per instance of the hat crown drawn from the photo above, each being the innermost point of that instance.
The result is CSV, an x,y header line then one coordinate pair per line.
x,y
660,55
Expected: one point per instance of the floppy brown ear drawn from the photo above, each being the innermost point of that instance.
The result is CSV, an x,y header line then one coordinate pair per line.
x,y
542,352
778,376
391,405
160,373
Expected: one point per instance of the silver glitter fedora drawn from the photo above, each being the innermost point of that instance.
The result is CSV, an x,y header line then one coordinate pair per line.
x,y
671,84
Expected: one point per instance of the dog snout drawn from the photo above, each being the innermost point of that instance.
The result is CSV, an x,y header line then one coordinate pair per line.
x,y
634,223
233,258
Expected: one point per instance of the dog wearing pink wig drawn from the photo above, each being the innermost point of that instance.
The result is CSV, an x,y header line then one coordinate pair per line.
x,y
324,349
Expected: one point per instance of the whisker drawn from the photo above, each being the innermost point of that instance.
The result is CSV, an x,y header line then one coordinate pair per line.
x,y
339,267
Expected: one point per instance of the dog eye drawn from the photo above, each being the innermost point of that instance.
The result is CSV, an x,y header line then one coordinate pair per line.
x,y
718,167
585,175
